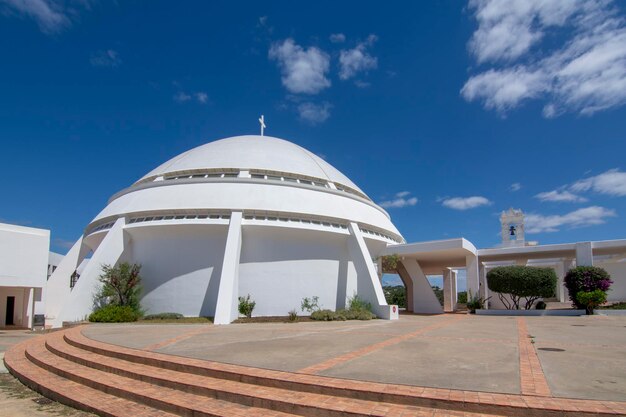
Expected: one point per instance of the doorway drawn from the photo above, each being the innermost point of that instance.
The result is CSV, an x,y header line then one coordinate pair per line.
x,y
10,311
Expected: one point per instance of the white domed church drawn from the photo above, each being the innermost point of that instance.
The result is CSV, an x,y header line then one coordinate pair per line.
x,y
244,215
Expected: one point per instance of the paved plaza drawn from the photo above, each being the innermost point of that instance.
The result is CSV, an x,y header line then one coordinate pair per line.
x,y
570,357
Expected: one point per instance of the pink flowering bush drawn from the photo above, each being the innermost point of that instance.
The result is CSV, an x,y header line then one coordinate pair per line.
x,y
586,279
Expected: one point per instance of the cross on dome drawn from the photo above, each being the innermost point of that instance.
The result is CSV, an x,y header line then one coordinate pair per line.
x,y
262,122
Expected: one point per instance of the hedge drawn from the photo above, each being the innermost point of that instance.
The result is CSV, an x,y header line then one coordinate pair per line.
x,y
521,282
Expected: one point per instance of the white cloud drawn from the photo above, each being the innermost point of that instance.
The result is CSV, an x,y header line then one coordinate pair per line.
x,y
303,70
560,196
465,203
314,113
502,90
48,14
611,182
589,216
181,97
580,68
337,38
357,60
202,97
108,58
516,186
400,200
199,96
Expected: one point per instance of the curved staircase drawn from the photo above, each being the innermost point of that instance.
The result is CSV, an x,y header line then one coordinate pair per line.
x,y
111,380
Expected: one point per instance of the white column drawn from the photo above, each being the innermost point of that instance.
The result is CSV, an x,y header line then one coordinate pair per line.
x,y
369,287
455,292
227,306
584,254
30,307
473,278
424,299
484,287
448,291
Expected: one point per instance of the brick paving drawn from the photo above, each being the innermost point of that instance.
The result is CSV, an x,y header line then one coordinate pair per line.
x,y
314,369
532,379
118,381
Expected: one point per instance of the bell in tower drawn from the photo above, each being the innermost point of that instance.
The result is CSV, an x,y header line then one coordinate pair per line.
x,y
512,222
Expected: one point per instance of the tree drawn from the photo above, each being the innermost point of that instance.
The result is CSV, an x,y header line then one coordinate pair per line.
x,y
512,283
390,263
121,286
587,279
395,295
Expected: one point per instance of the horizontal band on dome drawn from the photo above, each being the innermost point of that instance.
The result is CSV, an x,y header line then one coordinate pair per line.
x,y
290,218
252,173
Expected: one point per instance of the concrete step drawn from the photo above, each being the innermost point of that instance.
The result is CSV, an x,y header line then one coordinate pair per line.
x,y
289,401
438,399
157,397
71,393
159,384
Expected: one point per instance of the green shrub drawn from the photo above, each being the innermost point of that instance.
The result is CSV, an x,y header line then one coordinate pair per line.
x,y
164,316
591,299
246,306
327,315
514,283
293,315
355,303
541,305
586,278
357,314
114,314
121,286
475,302
310,304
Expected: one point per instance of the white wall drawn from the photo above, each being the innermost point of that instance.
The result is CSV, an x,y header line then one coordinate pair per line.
x,y
280,266
181,266
23,256
617,270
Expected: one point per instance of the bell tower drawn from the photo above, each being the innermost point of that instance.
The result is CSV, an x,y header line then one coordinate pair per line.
x,y
512,222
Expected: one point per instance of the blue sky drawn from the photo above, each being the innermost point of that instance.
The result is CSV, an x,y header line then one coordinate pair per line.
x,y
444,112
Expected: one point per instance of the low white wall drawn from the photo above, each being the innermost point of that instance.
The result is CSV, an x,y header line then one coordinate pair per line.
x,y
181,266
279,267
618,275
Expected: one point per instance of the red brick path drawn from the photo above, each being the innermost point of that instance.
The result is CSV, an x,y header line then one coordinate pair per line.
x,y
532,379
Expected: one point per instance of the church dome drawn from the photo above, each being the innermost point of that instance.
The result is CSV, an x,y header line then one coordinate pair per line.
x,y
252,152
262,177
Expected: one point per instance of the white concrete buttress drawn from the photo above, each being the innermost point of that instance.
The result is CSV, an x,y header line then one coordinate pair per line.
x,y
369,287
227,306
79,302
58,289
424,299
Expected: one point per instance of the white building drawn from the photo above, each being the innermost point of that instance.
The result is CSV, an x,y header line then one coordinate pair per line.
x,y
24,255
446,257
261,216
244,215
